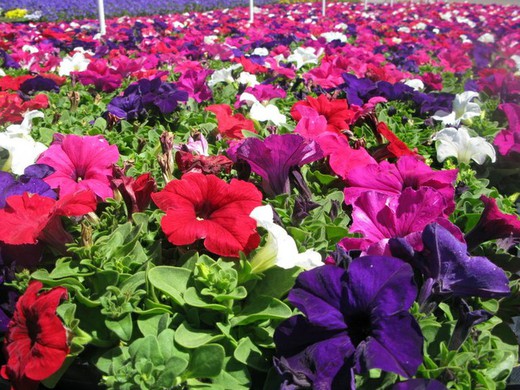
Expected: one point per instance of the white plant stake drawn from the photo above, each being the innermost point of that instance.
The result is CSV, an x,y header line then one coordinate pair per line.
x,y
101,13
251,11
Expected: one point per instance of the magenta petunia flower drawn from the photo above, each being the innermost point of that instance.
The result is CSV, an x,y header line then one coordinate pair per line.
x,y
380,217
81,162
392,179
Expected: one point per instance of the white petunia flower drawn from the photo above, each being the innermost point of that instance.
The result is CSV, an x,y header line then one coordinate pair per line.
x,y
334,36
416,84
75,63
266,113
303,56
487,38
247,79
458,143
23,149
223,75
463,109
280,248
260,51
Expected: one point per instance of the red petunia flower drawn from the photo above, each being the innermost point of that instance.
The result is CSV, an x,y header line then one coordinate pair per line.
x,y
13,106
336,111
395,147
206,207
229,125
135,192
26,219
36,340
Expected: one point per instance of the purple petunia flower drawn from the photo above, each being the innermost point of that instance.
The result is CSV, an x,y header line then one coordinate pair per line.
x,y
419,384
275,157
448,269
353,321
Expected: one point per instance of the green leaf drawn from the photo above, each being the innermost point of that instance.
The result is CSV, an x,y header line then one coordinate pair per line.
x,y
170,280
153,324
248,353
122,328
234,376
276,282
146,348
205,362
189,337
262,308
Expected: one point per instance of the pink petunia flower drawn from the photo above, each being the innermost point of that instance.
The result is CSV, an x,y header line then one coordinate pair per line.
x,y
81,162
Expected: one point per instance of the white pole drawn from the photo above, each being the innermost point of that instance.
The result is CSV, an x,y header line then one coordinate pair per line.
x,y
392,3
366,4
251,11
323,5
101,12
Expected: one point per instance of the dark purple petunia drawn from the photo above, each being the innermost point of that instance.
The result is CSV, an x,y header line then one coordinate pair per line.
x,y
37,84
448,269
275,157
357,90
31,181
352,321
166,97
128,107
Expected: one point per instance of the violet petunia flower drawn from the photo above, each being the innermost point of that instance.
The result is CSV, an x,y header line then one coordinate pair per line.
x,y
352,321
275,157
449,270
493,224
80,163
419,384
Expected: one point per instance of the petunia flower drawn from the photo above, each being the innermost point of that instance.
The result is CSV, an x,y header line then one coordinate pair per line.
x,y
81,162
458,143
27,219
392,179
352,321
194,82
336,111
303,56
449,270
31,182
23,149
36,341
223,75
379,217
75,63
280,248
263,112
200,207
493,224
508,140
136,192
275,157
229,125
463,109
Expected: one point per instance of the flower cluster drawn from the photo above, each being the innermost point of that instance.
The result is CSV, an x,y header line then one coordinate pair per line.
x,y
196,200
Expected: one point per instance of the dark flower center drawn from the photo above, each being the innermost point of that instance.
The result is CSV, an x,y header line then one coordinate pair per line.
x,y
359,327
204,211
33,329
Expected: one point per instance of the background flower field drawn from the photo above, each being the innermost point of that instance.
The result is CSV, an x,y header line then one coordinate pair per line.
x,y
304,202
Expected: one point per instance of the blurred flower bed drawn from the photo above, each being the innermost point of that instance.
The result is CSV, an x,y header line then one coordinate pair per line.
x,y
303,202
54,10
